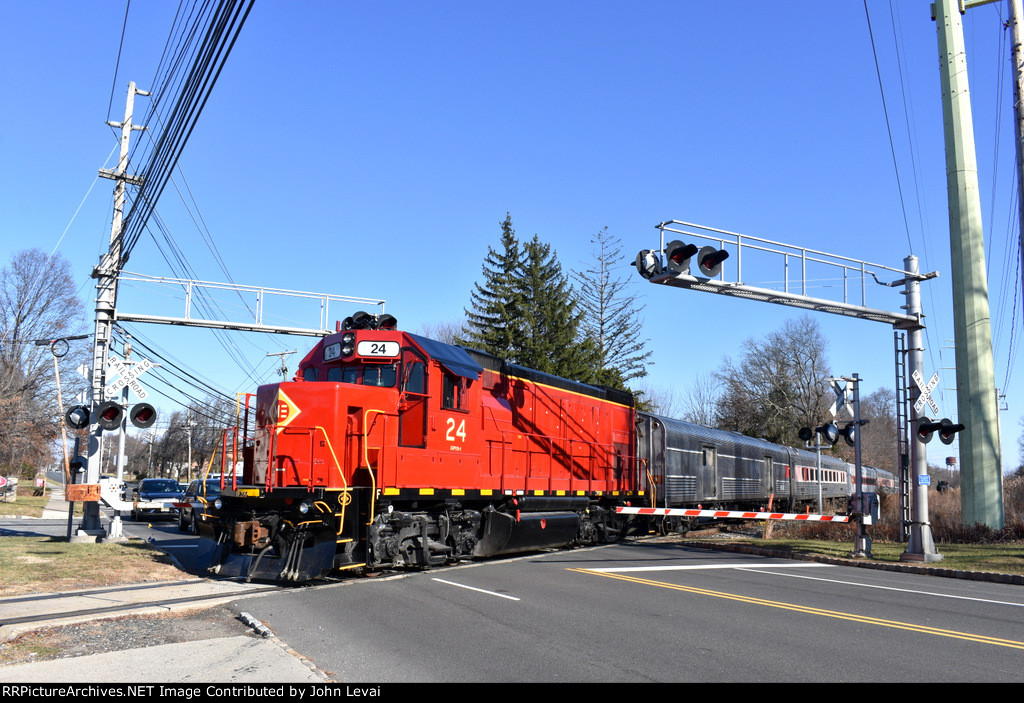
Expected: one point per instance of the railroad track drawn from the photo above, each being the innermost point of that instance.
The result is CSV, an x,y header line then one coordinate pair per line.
x,y
16,610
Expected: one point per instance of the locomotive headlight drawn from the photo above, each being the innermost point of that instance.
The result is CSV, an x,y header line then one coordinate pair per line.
x,y
218,504
305,506
348,344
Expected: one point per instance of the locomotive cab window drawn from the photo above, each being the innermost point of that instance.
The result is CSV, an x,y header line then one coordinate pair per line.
x,y
309,374
453,392
381,375
415,378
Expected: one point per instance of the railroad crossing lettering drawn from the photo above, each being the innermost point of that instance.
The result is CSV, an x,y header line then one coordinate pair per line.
x,y
926,392
843,402
128,377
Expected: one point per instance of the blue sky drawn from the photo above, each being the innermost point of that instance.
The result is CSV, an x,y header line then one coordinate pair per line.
x,y
372,149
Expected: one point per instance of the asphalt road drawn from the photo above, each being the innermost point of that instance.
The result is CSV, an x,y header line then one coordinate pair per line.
x,y
653,613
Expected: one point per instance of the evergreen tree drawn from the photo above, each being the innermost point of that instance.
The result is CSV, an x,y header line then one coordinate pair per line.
x,y
494,323
551,341
525,311
611,318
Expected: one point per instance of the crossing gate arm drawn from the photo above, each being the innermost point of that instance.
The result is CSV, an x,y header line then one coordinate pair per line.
x,y
680,512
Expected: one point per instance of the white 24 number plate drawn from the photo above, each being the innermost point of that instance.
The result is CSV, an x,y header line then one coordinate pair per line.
x,y
368,348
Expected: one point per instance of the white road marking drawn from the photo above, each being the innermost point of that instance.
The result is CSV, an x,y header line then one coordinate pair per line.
x,y
479,590
891,588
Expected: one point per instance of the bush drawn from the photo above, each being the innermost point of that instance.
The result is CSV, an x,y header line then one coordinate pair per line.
x,y
943,513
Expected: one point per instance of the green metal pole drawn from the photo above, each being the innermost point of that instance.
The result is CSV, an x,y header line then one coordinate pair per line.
x,y
980,454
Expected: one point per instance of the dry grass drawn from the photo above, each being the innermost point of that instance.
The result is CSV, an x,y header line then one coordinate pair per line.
x,y
50,564
29,505
973,548
943,515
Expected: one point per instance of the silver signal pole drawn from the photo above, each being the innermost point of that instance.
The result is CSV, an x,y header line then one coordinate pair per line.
x,y
921,546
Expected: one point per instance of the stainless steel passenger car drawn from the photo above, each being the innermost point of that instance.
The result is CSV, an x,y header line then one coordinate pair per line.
x,y
688,465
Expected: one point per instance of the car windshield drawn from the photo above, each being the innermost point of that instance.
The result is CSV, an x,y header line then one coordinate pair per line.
x,y
212,487
158,486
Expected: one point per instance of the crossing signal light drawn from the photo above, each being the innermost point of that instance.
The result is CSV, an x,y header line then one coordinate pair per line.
x,y
947,433
849,433
947,430
77,417
925,428
109,415
143,415
709,261
678,255
829,432
648,263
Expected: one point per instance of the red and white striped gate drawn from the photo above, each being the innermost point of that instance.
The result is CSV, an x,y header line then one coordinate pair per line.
x,y
680,512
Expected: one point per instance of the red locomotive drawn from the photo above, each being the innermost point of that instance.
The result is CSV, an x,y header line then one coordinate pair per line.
x,y
392,449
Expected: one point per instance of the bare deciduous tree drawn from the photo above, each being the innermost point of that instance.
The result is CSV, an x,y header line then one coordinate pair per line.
x,y
38,302
611,314
778,385
878,443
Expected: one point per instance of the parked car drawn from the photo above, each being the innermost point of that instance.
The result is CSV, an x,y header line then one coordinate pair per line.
x,y
198,493
155,490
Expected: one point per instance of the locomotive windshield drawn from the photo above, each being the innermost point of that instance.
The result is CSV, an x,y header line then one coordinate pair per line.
x,y
380,375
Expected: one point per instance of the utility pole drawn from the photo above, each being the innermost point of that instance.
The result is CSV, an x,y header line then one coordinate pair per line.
x,y
980,453
106,273
1017,59
284,366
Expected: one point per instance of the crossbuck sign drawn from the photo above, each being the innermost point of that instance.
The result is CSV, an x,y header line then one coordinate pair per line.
x,y
843,402
926,392
128,377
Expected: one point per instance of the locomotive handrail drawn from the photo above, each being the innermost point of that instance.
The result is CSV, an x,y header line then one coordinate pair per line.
x,y
245,433
366,457
650,481
224,455
311,430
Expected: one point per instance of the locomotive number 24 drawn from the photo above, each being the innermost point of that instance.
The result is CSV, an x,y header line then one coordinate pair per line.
x,y
453,432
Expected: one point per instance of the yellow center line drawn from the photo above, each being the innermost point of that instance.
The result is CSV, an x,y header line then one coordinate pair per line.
x,y
814,611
